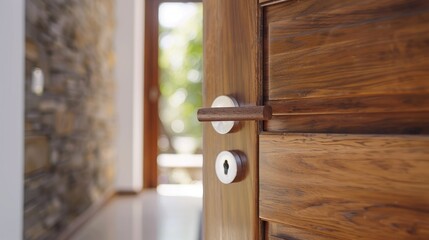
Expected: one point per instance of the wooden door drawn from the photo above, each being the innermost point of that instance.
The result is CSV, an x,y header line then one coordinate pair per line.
x,y
346,154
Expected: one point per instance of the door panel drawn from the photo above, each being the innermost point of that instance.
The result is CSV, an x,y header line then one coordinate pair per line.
x,y
281,231
327,63
346,186
346,48
231,68
345,67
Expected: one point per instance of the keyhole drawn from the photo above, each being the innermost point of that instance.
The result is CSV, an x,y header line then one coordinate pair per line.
x,y
225,167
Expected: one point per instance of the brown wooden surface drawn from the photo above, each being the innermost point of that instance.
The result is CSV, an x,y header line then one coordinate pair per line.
x,y
178,1
150,96
231,68
346,105
338,48
336,58
390,114
234,113
347,186
355,67
280,231
368,123
267,2
274,238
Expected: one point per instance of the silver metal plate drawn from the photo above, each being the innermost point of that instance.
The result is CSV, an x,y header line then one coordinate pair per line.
x,y
228,166
224,127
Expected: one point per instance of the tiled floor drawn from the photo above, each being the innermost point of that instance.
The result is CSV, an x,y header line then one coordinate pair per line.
x,y
148,216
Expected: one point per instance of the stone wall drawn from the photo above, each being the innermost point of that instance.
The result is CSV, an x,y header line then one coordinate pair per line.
x,y
69,127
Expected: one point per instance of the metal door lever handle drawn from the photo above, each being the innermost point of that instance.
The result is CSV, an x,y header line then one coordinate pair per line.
x,y
225,113
247,113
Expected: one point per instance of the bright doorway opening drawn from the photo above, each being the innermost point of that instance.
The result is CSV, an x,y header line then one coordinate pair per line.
x,y
179,76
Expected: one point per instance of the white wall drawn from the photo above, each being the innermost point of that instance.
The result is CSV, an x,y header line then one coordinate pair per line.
x,y
11,118
129,98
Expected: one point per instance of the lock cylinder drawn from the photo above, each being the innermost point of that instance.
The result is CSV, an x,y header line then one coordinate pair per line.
x,y
229,167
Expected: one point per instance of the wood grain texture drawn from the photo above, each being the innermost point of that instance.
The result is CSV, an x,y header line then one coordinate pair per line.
x,y
231,67
368,123
280,231
353,104
347,186
337,58
274,238
338,48
234,113
264,3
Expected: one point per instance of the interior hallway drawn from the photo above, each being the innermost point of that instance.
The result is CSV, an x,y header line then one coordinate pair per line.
x,y
148,216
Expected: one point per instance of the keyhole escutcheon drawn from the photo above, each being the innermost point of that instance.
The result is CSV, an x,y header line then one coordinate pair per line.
x,y
229,167
225,167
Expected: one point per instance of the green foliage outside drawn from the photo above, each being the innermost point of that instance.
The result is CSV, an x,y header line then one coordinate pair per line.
x,y
180,62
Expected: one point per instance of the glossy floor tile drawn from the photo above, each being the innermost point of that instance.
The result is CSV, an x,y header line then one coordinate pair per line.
x,y
148,216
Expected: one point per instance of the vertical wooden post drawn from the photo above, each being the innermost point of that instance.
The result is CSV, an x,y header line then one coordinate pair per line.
x,y
151,93
231,67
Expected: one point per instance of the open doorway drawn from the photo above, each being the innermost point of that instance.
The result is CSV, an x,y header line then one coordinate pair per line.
x,y
173,85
